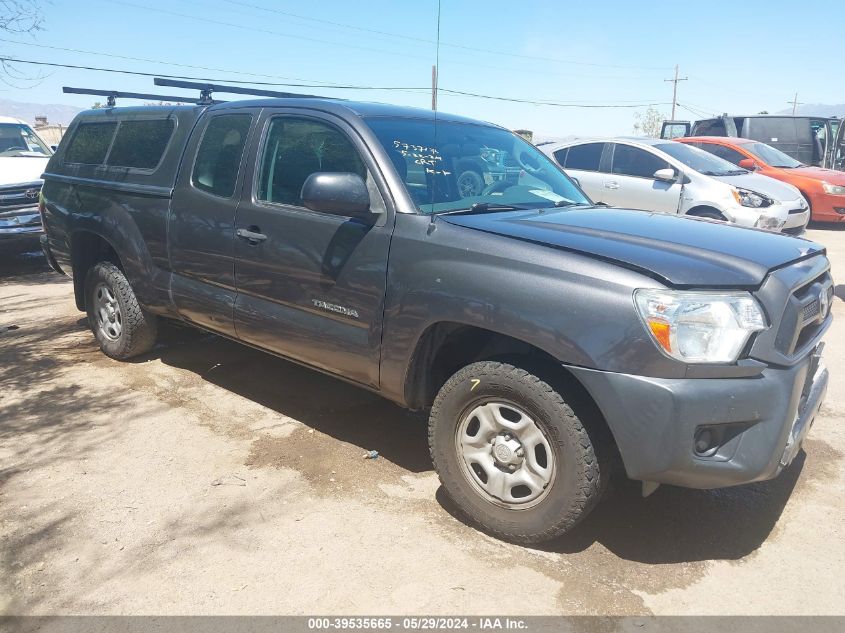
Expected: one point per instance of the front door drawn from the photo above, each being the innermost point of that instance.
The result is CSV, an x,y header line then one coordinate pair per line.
x,y
631,183
311,286
201,223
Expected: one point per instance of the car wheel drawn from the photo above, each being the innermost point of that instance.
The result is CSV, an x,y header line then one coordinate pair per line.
x,y
513,455
121,326
470,184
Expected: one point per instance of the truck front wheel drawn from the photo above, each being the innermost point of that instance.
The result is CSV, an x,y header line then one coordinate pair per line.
x,y
121,326
513,455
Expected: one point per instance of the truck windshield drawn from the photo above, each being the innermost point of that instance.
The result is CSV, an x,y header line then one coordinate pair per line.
x,y
699,160
472,166
19,140
771,156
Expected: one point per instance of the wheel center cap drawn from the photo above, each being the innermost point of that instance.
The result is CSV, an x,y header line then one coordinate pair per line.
x,y
507,451
503,453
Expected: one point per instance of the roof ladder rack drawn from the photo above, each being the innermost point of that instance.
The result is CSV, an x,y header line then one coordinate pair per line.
x,y
206,89
113,95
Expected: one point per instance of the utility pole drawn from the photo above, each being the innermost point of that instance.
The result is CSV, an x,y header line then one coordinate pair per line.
x,y
675,81
795,103
434,87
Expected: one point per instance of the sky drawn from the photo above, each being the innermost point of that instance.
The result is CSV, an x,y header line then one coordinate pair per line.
x,y
739,57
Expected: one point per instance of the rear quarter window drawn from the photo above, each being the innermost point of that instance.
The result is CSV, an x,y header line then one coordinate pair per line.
x,y
140,144
90,143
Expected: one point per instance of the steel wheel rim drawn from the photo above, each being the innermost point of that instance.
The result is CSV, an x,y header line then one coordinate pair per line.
x,y
505,455
107,312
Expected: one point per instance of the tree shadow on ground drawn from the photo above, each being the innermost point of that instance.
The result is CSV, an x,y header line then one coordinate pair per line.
x,y
672,525
343,411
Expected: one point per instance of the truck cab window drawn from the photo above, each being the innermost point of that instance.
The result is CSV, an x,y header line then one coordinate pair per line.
x,y
219,154
295,149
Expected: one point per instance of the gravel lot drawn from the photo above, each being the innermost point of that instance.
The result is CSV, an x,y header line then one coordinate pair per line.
x,y
209,478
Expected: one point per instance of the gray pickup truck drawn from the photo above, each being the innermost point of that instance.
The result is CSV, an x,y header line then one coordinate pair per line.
x,y
546,335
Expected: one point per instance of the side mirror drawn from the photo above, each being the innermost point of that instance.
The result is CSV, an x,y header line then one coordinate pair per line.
x,y
575,180
749,164
338,193
666,175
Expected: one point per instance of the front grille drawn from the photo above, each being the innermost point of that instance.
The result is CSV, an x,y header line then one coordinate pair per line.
x,y
794,211
19,196
806,312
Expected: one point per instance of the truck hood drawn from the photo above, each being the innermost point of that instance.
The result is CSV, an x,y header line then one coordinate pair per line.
x,y
770,187
21,169
680,251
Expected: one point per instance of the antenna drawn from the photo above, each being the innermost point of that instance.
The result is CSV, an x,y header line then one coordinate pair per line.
x,y
113,95
207,88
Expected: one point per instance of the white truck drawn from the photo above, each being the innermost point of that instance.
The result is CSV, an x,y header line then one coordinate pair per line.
x,y
23,157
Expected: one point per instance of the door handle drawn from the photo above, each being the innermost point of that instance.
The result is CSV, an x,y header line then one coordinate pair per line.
x,y
611,184
253,235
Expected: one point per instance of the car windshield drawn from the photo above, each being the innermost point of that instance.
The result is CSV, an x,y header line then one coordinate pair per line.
x,y
463,166
19,140
699,160
771,156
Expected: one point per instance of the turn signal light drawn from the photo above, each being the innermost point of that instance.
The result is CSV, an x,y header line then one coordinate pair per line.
x,y
661,331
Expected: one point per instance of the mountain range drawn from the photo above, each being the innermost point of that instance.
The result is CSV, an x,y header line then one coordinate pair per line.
x,y
56,113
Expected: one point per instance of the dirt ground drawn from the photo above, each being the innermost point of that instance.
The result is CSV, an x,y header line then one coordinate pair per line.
x,y
209,478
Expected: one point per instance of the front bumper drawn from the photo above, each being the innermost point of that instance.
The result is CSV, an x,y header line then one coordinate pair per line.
x,y
20,222
762,419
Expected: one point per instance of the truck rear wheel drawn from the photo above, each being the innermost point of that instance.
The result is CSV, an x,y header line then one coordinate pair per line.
x,y
513,455
122,328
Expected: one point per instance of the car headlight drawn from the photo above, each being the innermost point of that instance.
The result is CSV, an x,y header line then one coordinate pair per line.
x,y
700,327
836,190
748,198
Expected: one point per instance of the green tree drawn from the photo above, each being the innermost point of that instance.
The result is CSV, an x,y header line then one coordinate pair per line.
x,y
18,17
648,123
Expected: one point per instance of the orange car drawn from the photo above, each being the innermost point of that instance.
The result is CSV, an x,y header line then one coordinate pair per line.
x,y
824,189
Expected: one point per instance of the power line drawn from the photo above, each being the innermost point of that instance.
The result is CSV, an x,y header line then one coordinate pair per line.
x,y
254,29
537,102
153,61
488,51
570,104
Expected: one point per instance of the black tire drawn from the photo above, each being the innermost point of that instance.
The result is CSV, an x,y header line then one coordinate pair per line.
x,y
711,214
138,328
582,457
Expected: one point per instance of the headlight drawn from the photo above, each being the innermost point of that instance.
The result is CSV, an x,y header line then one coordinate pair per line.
x,y
749,198
836,190
700,327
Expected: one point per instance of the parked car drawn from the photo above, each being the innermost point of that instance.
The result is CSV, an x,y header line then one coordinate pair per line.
x,y
658,175
544,334
823,189
23,157
809,140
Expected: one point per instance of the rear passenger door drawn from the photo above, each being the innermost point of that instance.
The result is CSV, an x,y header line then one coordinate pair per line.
x,y
631,183
583,162
312,286
202,219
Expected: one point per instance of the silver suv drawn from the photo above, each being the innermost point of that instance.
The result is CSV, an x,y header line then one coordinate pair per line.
x,y
661,175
